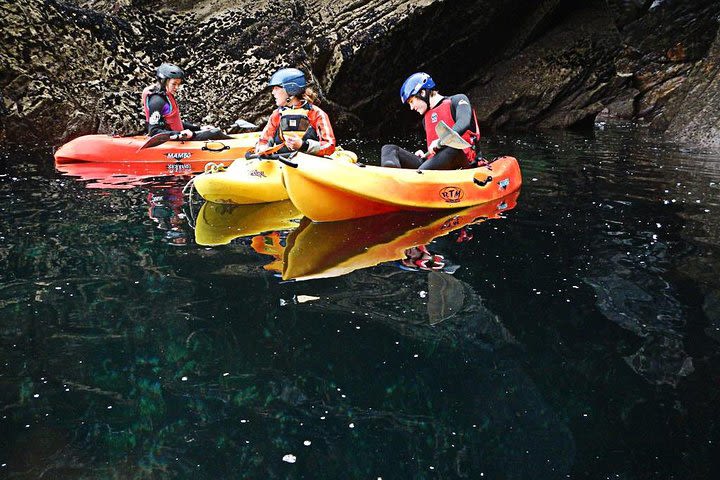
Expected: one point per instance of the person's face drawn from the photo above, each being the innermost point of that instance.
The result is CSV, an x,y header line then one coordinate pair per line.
x,y
280,95
417,105
173,85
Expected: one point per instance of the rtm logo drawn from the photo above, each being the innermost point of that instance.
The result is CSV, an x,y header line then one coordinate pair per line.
x,y
179,155
452,194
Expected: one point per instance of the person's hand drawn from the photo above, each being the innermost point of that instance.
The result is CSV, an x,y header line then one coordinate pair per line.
x,y
420,153
433,146
186,134
293,143
261,147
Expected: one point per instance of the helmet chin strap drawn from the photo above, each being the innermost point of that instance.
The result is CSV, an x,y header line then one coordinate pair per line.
x,y
424,96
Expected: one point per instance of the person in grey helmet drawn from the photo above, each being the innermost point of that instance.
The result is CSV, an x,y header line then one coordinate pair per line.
x,y
162,113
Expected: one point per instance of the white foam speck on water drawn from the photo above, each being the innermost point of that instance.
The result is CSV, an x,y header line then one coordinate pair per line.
x,y
290,458
226,374
352,425
306,298
307,443
423,294
184,379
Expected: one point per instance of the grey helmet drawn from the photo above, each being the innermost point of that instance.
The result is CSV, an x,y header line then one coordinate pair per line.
x,y
168,70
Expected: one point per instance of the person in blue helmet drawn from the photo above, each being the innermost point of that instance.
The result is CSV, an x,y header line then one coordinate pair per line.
x,y
162,113
419,92
297,122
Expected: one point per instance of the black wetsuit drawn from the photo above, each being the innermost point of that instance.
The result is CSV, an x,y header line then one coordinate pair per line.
x,y
158,105
445,158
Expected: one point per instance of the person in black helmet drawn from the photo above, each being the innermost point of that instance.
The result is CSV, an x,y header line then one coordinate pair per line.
x,y
162,113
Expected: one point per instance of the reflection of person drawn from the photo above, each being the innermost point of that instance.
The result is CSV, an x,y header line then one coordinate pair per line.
x,y
162,112
166,210
420,258
420,94
297,122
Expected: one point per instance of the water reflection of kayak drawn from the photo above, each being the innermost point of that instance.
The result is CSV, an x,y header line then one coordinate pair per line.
x,y
125,175
219,224
319,250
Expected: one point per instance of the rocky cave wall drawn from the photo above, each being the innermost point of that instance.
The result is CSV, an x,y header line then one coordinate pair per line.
x,y
71,68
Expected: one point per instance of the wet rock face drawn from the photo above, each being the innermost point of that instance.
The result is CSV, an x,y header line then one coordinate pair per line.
x,y
74,68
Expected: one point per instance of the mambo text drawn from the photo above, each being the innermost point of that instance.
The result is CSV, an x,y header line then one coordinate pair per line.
x,y
179,155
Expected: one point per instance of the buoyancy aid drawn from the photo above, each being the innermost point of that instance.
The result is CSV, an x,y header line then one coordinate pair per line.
x,y
295,121
172,118
443,112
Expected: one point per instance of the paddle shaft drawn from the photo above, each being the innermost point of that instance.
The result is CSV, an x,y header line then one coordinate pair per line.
x,y
161,138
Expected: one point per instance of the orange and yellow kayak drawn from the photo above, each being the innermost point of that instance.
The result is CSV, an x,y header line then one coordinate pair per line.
x,y
325,190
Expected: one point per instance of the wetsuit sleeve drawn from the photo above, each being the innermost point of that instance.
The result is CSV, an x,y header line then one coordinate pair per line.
x,y
158,108
462,113
270,129
190,126
325,144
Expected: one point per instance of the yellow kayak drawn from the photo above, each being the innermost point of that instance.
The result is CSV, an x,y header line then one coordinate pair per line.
x,y
251,181
327,191
321,250
219,224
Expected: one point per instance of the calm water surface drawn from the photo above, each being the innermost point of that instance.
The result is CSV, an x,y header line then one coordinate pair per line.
x,y
572,334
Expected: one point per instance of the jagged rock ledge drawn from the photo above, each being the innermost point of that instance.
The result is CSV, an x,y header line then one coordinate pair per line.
x,y
72,68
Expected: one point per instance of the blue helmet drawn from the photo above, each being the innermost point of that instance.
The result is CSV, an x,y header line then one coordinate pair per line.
x,y
291,79
414,83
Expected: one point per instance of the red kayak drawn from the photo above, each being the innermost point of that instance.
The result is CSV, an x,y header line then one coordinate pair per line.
x,y
171,155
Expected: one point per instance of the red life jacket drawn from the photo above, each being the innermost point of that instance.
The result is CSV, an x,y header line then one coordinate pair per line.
x,y
172,119
443,112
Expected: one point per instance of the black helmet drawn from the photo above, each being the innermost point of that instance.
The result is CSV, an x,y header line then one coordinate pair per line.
x,y
168,70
